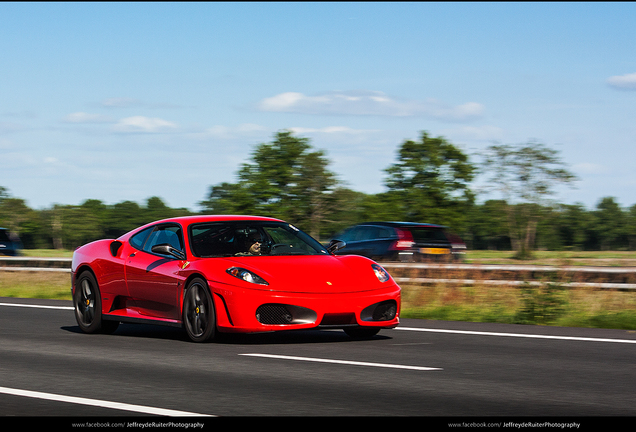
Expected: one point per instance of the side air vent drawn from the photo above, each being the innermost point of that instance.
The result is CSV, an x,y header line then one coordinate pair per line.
x,y
114,247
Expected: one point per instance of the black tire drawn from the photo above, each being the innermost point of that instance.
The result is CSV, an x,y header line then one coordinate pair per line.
x,y
361,332
199,318
87,301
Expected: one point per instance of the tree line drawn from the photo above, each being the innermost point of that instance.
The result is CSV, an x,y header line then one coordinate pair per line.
x,y
431,181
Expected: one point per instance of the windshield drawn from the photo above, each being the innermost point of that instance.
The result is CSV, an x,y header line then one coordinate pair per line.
x,y
251,238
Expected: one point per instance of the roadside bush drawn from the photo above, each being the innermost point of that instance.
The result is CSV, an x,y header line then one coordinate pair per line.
x,y
541,304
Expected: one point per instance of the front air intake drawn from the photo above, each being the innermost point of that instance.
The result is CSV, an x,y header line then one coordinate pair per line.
x,y
383,311
280,314
273,314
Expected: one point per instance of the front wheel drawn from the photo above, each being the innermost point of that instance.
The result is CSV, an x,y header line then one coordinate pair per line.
x,y
199,318
87,301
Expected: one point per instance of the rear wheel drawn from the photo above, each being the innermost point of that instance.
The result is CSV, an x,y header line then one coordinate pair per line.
x,y
199,318
87,301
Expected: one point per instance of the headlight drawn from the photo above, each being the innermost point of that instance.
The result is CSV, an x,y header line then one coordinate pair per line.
x,y
382,274
246,275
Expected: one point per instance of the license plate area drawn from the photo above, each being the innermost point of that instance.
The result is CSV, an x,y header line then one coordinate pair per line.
x,y
435,251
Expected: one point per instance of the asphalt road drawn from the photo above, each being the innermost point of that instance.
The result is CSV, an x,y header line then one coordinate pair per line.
x,y
423,368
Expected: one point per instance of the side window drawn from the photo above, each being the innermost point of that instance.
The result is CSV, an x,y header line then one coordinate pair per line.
x,y
356,234
170,235
384,233
344,235
137,241
367,233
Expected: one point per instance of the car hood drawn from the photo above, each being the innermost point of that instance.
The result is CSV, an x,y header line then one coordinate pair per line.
x,y
309,274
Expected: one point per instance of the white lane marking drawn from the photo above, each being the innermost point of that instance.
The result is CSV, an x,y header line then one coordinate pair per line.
x,y
99,403
37,306
520,335
346,362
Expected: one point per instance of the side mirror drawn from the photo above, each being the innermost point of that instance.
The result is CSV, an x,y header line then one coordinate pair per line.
x,y
166,249
335,245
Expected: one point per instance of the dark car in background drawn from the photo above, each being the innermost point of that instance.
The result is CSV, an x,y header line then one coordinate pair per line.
x,y
401,241
9,243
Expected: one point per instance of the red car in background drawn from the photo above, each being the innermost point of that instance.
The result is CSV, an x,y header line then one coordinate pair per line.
x,y
229,274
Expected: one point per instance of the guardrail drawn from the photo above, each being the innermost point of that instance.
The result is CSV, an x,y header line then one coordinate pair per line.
x,y
512,267
513,275
34,264
429,273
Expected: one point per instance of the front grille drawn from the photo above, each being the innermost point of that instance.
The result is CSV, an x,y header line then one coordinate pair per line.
x,y
273,314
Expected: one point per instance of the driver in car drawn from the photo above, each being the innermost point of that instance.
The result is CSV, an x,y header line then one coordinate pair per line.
x,y
252,247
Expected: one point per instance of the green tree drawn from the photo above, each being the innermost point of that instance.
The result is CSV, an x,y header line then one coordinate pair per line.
x,y
430,182
18,217
488,228
525,175
123,217
228,198
4,193
631,227
573,226
610,224
156,209
283,179
349,207
14,213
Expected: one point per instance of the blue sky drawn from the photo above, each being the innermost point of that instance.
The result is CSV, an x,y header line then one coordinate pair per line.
x,y
124,101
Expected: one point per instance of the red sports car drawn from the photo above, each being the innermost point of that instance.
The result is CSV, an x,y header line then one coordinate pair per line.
x,y
229,274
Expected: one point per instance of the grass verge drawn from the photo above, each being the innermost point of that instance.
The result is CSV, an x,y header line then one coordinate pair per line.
x,y
548,304
44,285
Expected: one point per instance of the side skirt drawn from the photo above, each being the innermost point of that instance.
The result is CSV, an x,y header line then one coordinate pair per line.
x,y
131,320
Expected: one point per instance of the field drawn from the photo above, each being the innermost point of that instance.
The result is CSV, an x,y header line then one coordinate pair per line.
x,y
548,304
47,285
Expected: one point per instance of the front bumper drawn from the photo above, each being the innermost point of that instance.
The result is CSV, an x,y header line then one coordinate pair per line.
x,y
241,310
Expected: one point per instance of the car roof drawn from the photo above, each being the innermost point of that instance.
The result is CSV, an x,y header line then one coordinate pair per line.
x,y
188,220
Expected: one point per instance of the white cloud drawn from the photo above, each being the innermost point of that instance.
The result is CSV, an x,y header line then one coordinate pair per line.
x,y
623,82
365,102
144,124
82,117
